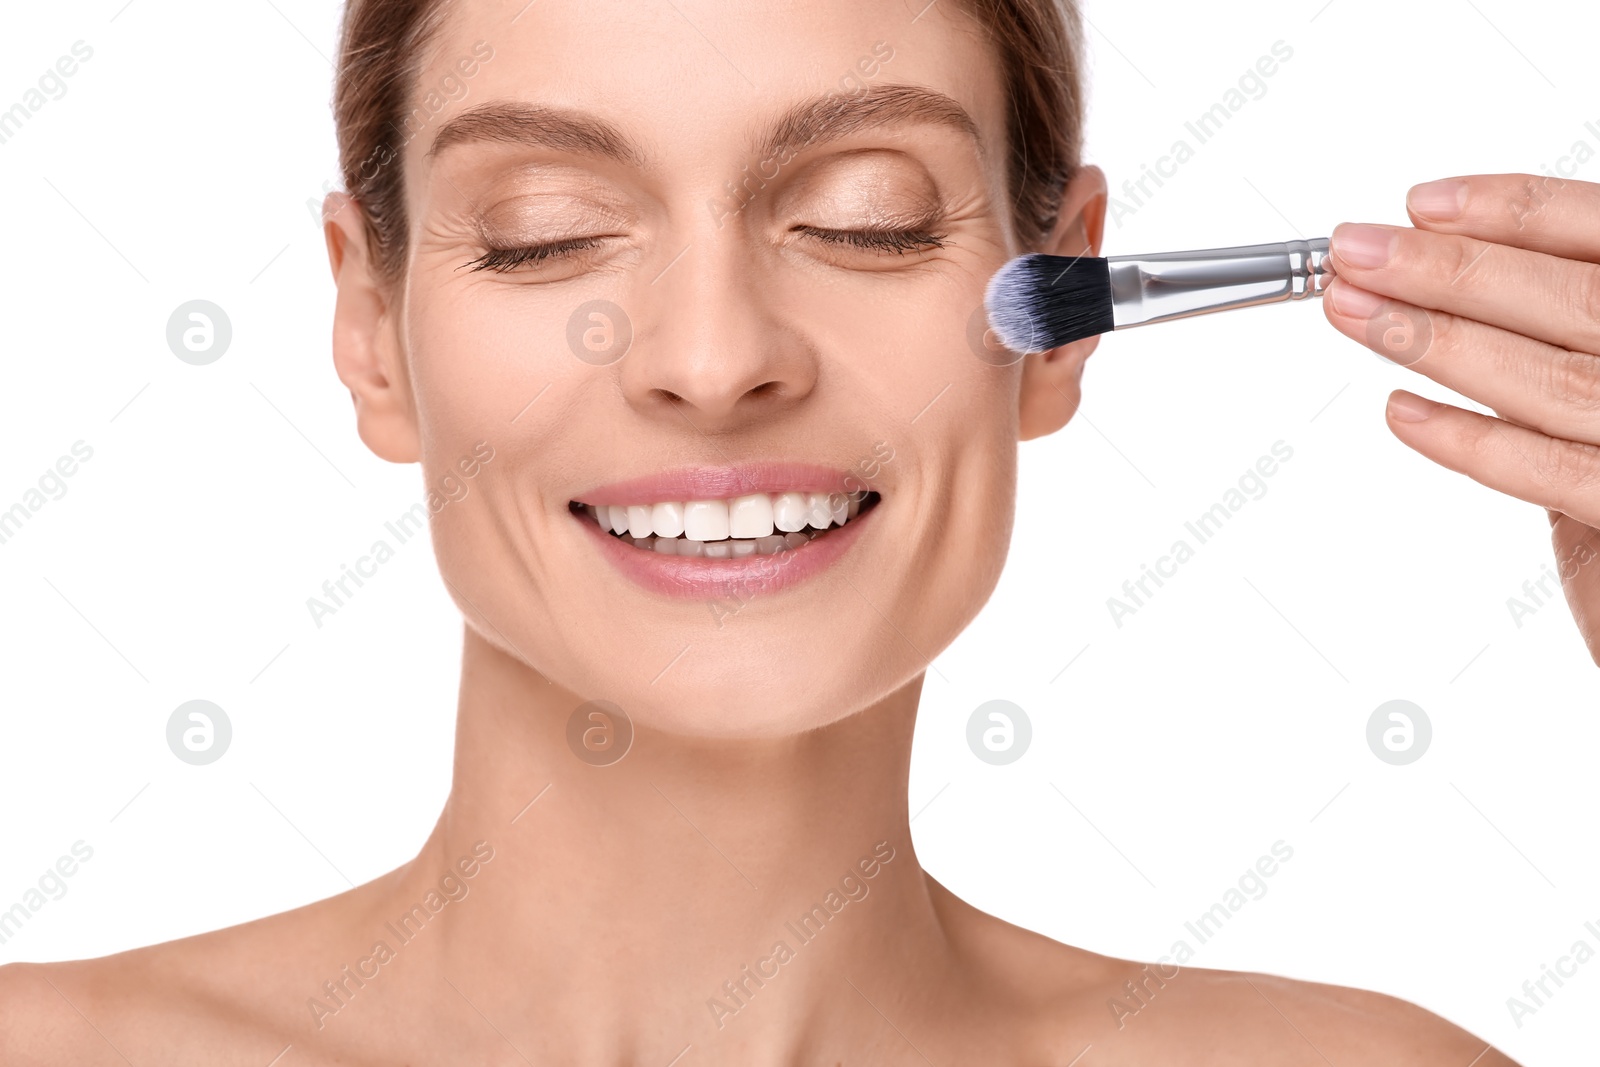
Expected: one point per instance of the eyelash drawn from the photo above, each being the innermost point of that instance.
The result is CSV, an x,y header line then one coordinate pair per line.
x,y
501,260
898,242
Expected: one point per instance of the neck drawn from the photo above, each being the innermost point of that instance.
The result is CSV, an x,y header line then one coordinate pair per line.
x,y
694,892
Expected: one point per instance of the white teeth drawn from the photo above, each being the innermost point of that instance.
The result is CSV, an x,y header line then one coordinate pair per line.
x,y
791,512
821,513
750,516
753,524
705,520
667,519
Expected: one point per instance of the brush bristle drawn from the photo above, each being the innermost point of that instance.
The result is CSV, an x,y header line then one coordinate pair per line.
x,y
1038,302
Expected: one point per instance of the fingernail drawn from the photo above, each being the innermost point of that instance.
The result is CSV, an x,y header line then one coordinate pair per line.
x,y
1361,245
1409,407
1353,301
1440,201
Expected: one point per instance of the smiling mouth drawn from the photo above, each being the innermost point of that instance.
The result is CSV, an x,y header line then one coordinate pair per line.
x,y
755,524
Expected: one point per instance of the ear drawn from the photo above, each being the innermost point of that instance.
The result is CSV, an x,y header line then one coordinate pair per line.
x,y
1050,380
366,344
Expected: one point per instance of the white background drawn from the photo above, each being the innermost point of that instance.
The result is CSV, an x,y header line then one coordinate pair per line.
x,y
1227,714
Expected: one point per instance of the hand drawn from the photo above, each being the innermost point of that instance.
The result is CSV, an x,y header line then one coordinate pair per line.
x,y
1496,294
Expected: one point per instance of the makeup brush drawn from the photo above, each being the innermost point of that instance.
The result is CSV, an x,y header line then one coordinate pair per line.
x,y
1037,302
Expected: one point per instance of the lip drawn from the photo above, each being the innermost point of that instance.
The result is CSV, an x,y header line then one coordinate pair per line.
x,y
701,578
718,483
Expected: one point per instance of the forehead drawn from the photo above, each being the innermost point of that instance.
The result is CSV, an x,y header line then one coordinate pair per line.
x,y
690,81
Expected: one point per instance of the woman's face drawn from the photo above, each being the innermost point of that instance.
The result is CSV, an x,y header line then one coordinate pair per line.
x,y
764,231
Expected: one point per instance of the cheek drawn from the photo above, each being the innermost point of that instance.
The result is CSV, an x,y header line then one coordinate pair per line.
x,y
904,358
948,416
909,340
483,384
475,361
970,496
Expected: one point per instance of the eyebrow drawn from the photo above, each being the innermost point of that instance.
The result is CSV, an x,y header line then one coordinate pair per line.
x,y
815,121
833,116
561,129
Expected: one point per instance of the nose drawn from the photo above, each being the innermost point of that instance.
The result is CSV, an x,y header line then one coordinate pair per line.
x,y
714,342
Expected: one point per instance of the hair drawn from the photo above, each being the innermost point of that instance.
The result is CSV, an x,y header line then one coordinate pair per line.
x,y
384,43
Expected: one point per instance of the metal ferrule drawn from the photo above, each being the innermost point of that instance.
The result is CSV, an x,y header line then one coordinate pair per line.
x,y
1175,285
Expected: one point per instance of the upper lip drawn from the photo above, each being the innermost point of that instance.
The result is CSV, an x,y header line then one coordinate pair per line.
x,y
718,483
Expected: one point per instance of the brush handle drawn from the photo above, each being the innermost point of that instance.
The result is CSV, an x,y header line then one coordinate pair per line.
x,y
1175,285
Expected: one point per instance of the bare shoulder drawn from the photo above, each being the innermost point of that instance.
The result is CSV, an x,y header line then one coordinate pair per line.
x,y
1234,1013
33,1030
86,1011
1071,1002
227,996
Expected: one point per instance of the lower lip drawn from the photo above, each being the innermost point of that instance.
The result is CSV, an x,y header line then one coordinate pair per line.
x,y
699,578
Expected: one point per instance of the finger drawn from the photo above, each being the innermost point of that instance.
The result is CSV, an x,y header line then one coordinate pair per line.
x,y
1539,212
1554,300
1577,548
1525,381
1517,461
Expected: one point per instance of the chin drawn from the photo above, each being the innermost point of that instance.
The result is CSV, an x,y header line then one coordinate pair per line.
x,y
754,600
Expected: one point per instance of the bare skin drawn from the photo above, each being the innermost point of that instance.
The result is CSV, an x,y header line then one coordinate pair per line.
x,y
600,914
604,923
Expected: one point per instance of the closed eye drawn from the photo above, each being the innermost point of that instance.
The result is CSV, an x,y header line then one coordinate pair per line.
x,y
898,242
504,259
